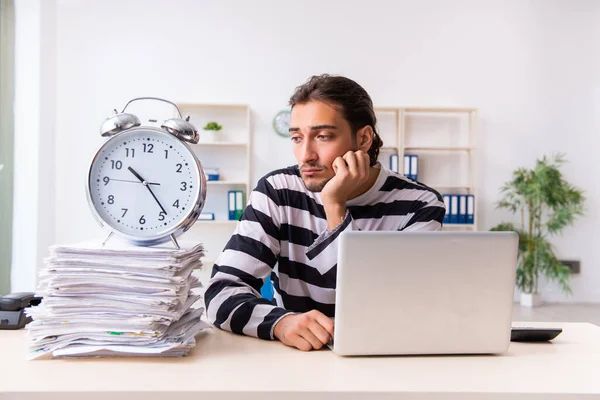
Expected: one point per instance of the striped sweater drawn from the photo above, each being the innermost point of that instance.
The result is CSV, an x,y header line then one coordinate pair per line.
x,y
283,235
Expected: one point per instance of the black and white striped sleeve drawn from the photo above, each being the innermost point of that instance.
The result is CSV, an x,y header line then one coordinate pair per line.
x,y
427,213
324,249
233,301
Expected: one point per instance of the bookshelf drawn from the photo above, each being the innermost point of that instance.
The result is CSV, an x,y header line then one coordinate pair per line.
x,y
230,152
445,141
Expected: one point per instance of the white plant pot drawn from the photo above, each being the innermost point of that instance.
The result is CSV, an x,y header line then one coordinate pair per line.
x,y
531,299
209,136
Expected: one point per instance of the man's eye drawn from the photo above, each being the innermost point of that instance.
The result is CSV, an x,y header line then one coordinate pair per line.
x,y
324,137
296,139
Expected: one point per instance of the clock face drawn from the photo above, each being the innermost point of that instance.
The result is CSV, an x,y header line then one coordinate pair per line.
x,y
281,123
145,183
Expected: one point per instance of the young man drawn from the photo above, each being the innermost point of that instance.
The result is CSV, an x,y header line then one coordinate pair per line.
x,y
290,228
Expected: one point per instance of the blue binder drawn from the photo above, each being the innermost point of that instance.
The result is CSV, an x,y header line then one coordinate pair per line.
x,y
239,204
470,209
454,209
414,167
394,163
462,209
407,166
231,204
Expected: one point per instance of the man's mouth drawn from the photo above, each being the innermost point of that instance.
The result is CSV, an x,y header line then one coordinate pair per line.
x,y
310,171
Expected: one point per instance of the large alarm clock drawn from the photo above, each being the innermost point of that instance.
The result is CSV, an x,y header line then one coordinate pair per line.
x,y
145,184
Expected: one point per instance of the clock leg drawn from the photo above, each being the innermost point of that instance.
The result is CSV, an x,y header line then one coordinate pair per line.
x,y
175,241
108,237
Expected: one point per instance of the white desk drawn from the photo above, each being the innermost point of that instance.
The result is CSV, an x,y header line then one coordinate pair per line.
x,y
227,366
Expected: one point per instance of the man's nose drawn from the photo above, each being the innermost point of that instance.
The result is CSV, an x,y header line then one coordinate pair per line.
x,y
308,152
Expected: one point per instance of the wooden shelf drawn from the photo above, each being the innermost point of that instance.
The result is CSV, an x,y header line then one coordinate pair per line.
x,y
458,225
439,109
194,105
448,226
226,183
221,144
467,187
215,222
386,109
439,148
412,109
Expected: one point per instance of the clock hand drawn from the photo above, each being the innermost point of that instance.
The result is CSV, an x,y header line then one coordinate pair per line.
x,y
136,174
153,195
125,180
147,187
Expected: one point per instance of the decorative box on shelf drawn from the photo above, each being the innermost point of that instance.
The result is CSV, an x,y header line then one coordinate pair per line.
x,y
212,174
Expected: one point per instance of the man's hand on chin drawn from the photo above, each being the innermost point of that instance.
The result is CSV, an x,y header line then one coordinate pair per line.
x,y
351,173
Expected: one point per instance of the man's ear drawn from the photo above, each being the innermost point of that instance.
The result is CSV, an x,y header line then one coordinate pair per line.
x,y
364,138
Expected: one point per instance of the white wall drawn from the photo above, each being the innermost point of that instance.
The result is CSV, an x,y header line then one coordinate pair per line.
x,y
531,67
34,164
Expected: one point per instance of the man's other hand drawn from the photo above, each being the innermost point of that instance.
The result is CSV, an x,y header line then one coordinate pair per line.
x,y
308,331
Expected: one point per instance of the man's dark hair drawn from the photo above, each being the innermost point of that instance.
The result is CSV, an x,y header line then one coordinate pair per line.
x,y
346,96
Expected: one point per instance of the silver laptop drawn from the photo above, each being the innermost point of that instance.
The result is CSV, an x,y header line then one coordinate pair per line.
x,y
424,292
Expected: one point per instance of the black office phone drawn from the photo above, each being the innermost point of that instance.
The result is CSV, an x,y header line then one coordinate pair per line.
x,y
12,309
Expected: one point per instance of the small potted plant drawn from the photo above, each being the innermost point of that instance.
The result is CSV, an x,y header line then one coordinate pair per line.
x,y
211,130
546,204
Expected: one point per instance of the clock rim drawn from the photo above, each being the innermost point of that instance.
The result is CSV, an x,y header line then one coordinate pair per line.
x,y
175,230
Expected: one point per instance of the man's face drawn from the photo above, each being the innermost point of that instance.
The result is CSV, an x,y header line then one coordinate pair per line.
x,y
320,134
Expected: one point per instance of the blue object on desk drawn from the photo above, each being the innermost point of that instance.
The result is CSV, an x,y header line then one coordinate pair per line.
x,y
267,291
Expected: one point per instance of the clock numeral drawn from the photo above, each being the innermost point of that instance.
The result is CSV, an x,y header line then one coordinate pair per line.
x,y
148,148
127,151
166,153
106,179
111,199
116,164
179,166
176,204
183,187
161,216
142,220
124,212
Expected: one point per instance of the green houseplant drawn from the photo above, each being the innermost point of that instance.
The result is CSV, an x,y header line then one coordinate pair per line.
x,y
211,129
546,204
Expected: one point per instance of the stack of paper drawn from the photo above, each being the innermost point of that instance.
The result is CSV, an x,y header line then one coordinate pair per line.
x,y
116,300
